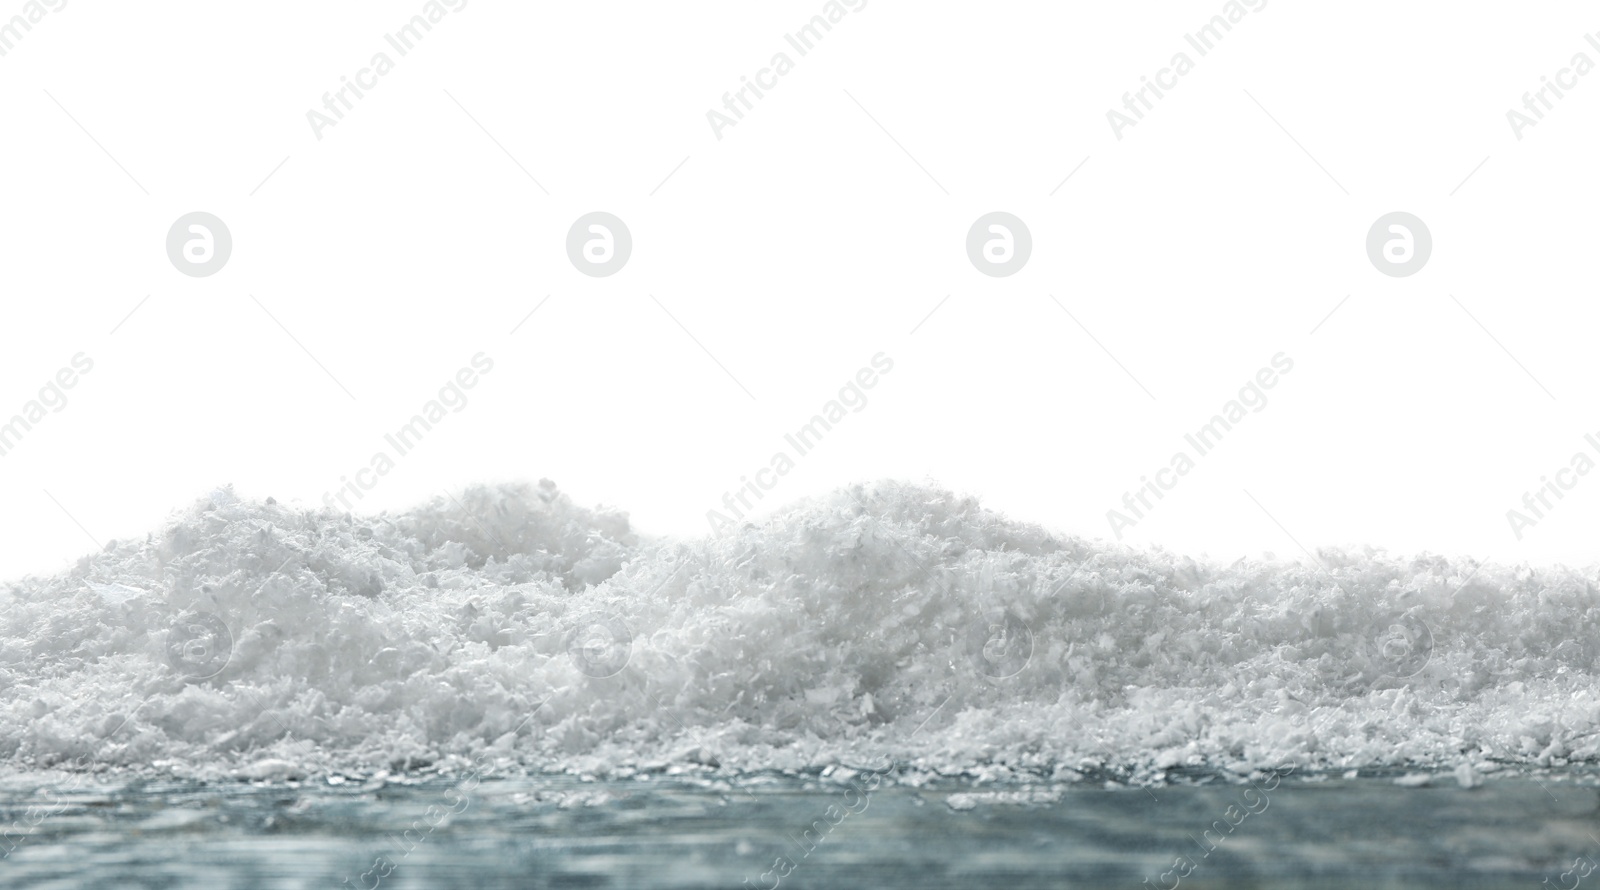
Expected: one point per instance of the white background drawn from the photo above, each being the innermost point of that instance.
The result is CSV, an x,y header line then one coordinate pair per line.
x,y
794,249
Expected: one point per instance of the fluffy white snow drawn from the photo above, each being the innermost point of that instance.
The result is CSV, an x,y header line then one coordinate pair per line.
x,y
510,629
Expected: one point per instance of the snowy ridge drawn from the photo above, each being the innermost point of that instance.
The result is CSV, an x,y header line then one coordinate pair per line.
x,y
508,626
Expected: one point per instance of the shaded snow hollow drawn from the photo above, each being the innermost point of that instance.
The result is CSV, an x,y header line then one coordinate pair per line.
x,y
508,626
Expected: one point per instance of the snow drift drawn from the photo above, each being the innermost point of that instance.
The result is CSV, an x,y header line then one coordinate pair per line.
x,y
508,625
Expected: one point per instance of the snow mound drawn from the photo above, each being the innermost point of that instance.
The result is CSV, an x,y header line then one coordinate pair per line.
x,y
508,628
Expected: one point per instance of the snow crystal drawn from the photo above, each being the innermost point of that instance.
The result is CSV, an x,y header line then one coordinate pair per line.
x,y
508,629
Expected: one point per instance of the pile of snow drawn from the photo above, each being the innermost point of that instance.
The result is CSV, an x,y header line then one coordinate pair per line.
x,y
509,628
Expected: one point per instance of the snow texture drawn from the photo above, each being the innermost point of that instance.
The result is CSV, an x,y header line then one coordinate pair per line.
x,y
507,629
